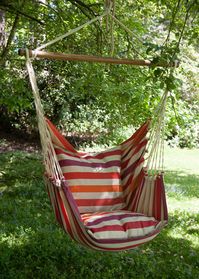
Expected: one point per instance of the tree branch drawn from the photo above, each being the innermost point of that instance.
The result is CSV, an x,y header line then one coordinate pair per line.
x,y
80,3
172,21
85,9
51,8
11,9
185,22
183,28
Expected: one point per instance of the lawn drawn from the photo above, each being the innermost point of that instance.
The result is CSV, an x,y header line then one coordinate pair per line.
x,y
182,179
33,246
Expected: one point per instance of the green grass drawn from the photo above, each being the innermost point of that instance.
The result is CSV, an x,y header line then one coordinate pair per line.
x,y
33,246
182,160
182,179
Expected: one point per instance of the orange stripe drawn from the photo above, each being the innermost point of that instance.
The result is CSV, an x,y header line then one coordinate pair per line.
x,y
94,188
99,202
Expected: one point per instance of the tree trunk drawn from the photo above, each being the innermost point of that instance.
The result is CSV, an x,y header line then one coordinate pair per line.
x,y
2,30
10,38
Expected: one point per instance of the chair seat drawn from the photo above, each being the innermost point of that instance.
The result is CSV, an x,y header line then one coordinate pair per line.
x,y
118,225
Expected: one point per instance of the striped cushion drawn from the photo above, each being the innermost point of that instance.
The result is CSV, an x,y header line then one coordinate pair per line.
x,y
102,181
118,225
94,180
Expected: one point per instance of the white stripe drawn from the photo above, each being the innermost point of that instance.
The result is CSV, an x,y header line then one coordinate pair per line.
x,y
116,148
96,195
122,234
56,141
63,156
127,244
68,169
85,209
95,216
133,159
137,170
131,146
96,182
119,222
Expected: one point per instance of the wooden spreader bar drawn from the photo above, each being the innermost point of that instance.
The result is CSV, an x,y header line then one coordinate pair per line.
x,y
94,59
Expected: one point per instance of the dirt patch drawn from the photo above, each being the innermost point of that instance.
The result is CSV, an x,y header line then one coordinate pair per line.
x,y
13,142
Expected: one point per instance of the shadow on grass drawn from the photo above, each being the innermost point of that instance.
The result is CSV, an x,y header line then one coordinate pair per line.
x,y
180,184
33,246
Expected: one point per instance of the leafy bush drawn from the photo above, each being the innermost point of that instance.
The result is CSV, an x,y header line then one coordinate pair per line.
x,y
96,100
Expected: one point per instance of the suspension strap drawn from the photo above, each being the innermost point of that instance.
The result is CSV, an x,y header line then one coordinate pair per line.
x,y
155,147
50,160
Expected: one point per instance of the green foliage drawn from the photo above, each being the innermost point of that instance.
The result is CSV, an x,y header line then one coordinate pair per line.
x,y
33,246
14,92
94,100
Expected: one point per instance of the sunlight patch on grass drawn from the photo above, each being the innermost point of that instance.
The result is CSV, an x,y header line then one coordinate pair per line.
x,y
185,225
186,160
183,234
15,240
186,204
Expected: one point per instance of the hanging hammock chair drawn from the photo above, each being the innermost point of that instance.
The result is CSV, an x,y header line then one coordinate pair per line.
x,y
112,200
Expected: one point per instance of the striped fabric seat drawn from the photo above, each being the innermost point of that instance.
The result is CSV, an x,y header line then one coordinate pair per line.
x,y
94,180
119,225
106,200
100,182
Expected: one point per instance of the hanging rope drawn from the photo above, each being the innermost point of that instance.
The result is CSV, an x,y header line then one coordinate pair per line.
x,y
73,30
155,146
50,159
109,13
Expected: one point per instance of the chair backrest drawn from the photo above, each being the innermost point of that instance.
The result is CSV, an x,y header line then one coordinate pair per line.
x,y
101,181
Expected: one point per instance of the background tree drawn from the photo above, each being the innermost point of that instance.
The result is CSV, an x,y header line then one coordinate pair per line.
x,y
93,100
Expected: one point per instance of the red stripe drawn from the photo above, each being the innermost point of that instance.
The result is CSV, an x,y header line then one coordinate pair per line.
x,y
134,196
81,232
105,154
75,218
91,175
125,227
58,135
137,149
164,203
99,202
132,182
87,155
166,217
65,215
57,211
52,197
158,199
138,133
135,191
70,199
100,219
94,188
133,149
161,199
